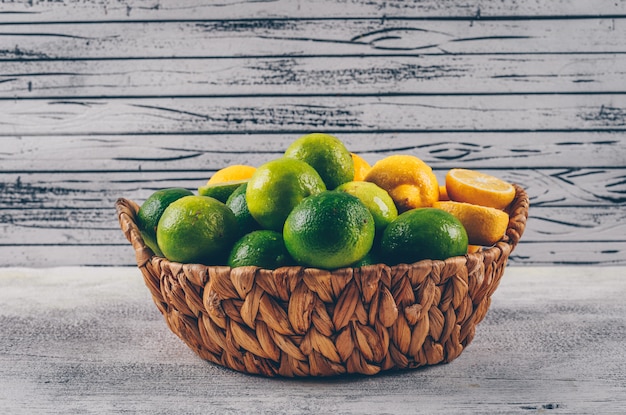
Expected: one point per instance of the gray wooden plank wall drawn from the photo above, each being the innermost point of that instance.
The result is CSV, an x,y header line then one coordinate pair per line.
x,y
101,99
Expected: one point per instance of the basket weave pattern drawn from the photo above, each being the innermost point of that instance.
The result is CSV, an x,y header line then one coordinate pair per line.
x,y
297,321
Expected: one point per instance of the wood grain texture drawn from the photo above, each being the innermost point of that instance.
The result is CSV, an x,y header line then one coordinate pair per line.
x,y
347,37
89,340
102,99
385,74
42,10
300,115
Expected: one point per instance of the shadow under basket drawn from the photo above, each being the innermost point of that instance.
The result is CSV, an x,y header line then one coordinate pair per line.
x,y
297,321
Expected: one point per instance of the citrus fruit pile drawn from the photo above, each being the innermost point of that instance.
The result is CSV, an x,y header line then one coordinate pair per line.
x,y
320,205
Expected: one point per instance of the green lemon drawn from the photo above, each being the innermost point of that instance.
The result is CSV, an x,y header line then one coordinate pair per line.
x,y
375,199
327,155
329,230
220,191
261,248
423,233
277,186
197,229
151,210
237,203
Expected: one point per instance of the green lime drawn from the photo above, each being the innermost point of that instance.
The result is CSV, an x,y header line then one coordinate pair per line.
x,y
376,199
197,229
237,203
151,210
329,230
277,187
220,191
328,156
423,233
261,248
372,258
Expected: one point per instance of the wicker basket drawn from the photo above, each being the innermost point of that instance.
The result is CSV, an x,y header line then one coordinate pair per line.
x,y
297,321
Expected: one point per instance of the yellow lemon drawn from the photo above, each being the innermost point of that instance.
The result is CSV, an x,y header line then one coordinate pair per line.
x,y
232,173
478,188
409,181
485,225
361,167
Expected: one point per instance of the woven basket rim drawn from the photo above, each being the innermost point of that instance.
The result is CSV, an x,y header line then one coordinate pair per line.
x,y
518,214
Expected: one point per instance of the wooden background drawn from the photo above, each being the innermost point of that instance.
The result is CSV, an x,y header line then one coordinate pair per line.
x,y
103,99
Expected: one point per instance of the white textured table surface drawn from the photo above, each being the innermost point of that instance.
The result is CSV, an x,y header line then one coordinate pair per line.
x,y
90,341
